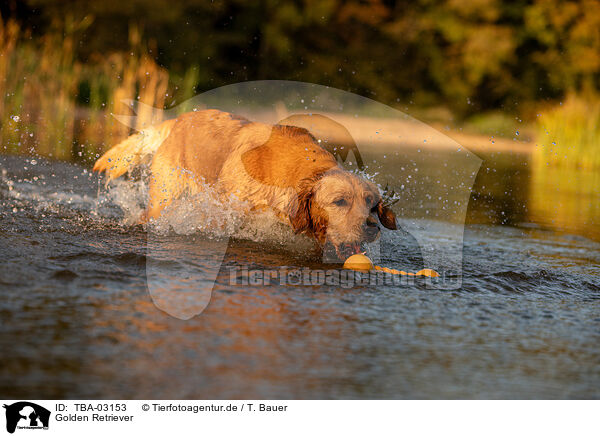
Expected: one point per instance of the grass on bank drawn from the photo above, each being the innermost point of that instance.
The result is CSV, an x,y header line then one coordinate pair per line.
x,y
568,135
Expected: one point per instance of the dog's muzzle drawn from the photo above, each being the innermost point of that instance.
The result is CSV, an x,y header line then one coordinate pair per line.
x,y
371,230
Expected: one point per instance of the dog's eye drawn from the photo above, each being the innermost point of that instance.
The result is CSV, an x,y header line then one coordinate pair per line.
x,y
340,202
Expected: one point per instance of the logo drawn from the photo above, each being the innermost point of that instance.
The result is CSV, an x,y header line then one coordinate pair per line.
x,y
26,415
429,175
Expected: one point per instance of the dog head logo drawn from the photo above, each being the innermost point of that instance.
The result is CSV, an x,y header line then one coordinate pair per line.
x,y
26,415
429,176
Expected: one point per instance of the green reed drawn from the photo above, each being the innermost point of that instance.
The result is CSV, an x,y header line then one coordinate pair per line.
x,y
53,105
569,134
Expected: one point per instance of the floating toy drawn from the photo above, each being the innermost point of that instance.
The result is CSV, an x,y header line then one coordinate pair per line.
x,y
360,262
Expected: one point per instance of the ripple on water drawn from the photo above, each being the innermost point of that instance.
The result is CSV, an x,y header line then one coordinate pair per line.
x,y
78,319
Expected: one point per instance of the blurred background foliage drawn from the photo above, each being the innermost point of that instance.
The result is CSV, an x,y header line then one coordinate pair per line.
x,y
484,64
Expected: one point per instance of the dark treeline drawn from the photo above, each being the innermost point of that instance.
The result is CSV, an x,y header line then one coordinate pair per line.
x,y
470,56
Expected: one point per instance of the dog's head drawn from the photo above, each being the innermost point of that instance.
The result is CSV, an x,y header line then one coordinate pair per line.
x,y
342,209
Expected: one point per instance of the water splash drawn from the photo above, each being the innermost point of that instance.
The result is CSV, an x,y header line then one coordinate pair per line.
x,y
207,213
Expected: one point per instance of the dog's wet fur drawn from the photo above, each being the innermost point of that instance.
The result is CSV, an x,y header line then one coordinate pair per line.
x,y
283,168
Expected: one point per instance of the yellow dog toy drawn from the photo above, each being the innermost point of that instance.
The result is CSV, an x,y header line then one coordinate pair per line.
x,y
360,262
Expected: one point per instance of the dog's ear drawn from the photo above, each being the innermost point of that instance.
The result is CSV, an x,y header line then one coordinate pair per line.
x,y
300,210
304,214
386,216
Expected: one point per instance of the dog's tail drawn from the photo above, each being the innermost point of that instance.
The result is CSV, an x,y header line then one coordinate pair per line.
x,y
133,151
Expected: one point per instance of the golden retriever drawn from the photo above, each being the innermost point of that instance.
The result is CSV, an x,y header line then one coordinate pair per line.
x,y
280,167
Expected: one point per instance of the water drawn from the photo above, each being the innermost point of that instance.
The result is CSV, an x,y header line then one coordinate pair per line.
x,y
78,321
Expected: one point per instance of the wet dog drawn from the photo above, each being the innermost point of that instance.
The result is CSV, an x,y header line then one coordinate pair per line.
x,y
278,167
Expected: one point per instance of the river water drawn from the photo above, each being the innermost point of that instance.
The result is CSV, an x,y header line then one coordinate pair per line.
x,y
78,320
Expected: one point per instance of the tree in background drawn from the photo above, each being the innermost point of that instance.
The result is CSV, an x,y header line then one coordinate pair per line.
x,y
467,55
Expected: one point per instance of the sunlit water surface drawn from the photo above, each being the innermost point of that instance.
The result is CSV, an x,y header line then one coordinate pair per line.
x,y
78,321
